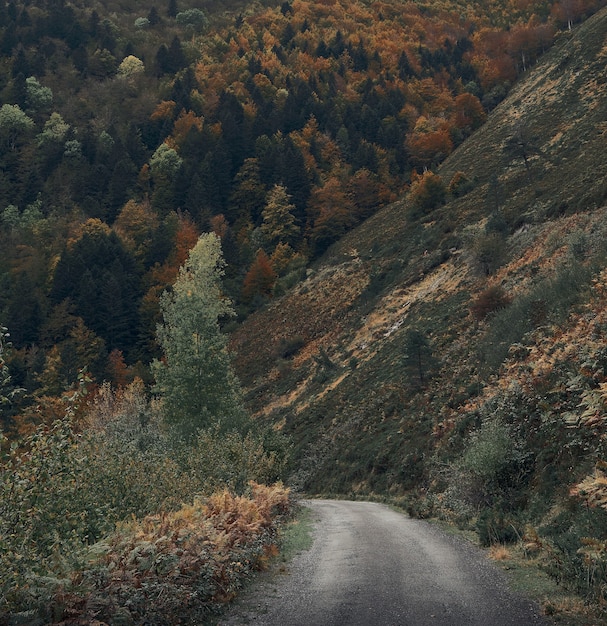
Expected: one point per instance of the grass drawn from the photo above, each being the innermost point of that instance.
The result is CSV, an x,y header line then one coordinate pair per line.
x,y
527,578
296,536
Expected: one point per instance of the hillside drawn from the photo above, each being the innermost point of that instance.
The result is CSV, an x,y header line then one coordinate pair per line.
x,y
450,351
127,130
446,350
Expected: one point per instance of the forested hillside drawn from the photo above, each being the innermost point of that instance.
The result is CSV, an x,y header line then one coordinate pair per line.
x,y
449,353
405,203
126,130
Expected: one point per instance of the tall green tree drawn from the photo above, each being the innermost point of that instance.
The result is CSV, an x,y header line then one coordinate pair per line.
x,y
195,377
249,194
14,125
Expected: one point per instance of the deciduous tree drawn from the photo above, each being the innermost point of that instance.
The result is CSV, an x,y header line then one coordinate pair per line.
x,y
278,220
14,125
260,278
194,377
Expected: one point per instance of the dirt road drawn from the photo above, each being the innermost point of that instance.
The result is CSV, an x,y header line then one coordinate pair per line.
x,y
372,566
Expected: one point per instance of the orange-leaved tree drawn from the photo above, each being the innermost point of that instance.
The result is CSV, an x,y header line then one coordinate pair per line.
x,y
260,278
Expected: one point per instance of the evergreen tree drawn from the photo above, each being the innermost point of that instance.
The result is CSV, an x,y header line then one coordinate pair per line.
x,y
162,61
249,195
418,358
294,176
154,17
194,377
176,56
100,277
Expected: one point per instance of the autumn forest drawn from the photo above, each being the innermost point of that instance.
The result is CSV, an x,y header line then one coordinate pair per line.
x,y
355,246
125,133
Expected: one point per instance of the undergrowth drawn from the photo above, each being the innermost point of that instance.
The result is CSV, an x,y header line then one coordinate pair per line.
x,y
67,489
531,467
177,568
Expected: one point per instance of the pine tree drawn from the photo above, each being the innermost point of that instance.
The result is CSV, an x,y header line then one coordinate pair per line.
x,y
172,8
418,359
195,377
249,195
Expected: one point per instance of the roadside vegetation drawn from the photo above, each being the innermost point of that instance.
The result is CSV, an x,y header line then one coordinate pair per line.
x,y
130,508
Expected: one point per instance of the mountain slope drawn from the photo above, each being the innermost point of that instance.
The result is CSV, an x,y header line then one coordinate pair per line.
x,y
456,351
328,356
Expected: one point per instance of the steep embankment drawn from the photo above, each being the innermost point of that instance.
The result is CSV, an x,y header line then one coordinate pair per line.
x,y
327,362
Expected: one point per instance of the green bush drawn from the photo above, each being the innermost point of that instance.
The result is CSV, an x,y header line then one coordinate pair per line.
x,y
460,185
66,486
576,550
493,471
428,192
489,252
495,526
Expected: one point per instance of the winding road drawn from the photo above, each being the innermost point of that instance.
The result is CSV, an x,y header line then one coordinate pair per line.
x,y
372,566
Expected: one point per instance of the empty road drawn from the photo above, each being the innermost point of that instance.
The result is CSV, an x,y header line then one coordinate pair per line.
x,y
372,566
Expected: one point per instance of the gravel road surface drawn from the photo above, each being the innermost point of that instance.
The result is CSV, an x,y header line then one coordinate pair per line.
x,y
372,566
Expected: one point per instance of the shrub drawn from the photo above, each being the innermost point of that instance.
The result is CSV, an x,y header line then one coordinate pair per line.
x,y
577,551
460,185
491,300
494,469
495,527
288,347
173,567
66,486
550,300
428,192
488,451
489,252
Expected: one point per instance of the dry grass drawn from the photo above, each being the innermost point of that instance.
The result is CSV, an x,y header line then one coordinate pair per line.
x,y
499,553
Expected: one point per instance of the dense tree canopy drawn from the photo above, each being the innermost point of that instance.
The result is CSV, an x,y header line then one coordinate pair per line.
x,y
279,127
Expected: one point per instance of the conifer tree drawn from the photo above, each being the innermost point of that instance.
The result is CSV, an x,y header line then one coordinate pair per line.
x,y
194,377
418,358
